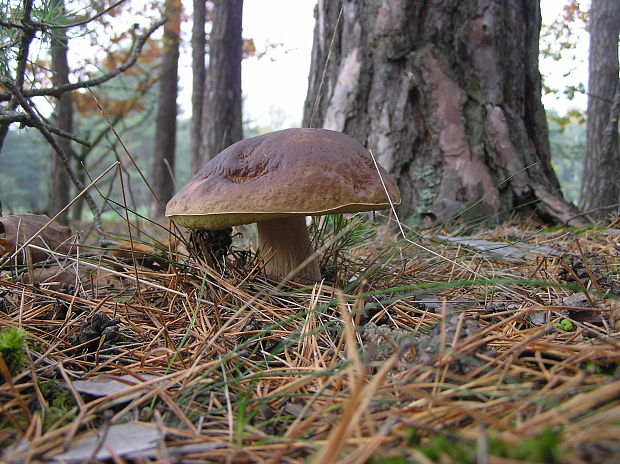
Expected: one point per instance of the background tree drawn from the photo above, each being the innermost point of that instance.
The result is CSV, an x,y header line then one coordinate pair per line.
x,y
22,80
25,155
600,189
447,95
222,124
129,106
165,132
60,185
199,70
567,136
560,39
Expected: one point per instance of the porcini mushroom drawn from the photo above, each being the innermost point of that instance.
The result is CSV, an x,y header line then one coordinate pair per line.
x,y
276,180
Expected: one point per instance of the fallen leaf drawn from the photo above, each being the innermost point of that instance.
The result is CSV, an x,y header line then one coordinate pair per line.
x,y
5,248
57,275
139,250
106,386
179,451
20,228
511,252
150,255
580,300
614,310
116,440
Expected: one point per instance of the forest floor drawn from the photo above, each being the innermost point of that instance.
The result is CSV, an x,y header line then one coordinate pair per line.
x,y
453,346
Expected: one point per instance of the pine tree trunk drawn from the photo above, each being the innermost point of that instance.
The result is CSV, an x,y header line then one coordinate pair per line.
x,y
446,94
166,123
198,80
222,104
60,183
600,189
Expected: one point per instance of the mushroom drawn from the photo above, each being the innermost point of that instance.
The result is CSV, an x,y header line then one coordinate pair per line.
x,y
276,180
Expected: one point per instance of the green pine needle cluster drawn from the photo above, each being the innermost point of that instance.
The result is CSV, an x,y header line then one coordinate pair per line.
x,y
343,232
46,15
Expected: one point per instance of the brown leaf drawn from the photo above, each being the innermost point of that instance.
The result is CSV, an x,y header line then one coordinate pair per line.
x,y
20,228
55,276
147,254
118,440
5,248
139,250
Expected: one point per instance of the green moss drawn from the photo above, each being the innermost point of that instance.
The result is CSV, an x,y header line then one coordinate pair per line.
x,y
544,447
57,395
394,460
459,451
599,368
566,325
12,344
61,402
53,415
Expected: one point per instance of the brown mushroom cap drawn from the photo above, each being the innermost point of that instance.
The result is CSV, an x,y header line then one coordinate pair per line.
x,y
289,172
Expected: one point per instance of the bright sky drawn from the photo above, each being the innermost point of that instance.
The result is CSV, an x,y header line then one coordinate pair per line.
x,y
280,79
573,68
274,86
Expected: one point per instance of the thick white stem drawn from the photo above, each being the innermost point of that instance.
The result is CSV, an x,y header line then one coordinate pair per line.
x,y
285,245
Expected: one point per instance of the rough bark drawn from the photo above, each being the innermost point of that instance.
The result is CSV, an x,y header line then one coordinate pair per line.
x,y
600,189
446,94
198,79
222,102
60,184
166,123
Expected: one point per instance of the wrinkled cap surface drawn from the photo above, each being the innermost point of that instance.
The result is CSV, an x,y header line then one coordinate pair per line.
x,y
283,173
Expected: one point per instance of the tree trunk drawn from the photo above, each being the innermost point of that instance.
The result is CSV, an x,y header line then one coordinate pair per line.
x,y
166,123
78,207
60,183
222,104
600,189
446,94
198,80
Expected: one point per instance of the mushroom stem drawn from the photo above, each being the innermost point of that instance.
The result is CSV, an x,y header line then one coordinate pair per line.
x,y
286,244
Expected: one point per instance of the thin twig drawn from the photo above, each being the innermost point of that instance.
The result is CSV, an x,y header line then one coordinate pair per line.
x,y
41,127
11,116
129,62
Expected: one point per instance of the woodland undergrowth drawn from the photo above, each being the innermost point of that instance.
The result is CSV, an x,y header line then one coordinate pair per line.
x,y
412,349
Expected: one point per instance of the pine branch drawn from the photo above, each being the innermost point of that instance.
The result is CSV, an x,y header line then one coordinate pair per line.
x,y
12,116
129,62
43,25
42,128
25,41
46,26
